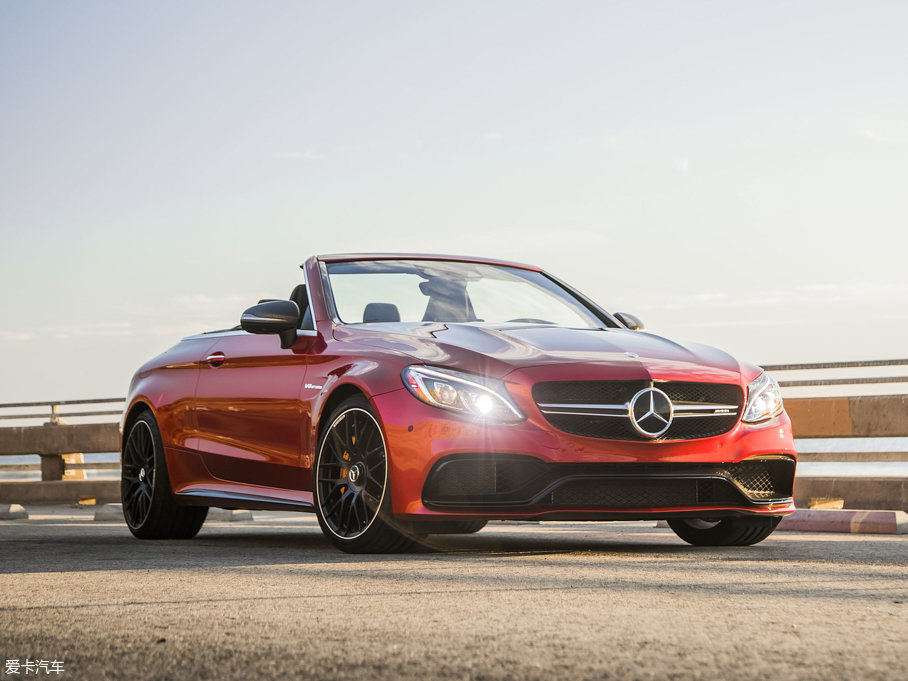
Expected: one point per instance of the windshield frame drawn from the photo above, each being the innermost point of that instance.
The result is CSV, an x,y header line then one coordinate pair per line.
x,y
608,321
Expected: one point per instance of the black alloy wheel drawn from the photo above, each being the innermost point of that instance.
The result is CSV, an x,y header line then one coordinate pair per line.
x,y
149,507
351,482
137,479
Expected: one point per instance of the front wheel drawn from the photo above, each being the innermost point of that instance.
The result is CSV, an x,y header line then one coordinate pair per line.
x,y
352,495
732,531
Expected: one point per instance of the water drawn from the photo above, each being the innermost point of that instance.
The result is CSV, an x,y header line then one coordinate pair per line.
x,y
25,476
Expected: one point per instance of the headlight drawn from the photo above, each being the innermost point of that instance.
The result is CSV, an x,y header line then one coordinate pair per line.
x,y
764,399
478,396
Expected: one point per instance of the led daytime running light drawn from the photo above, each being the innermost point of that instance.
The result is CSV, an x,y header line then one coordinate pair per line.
x,y
476,396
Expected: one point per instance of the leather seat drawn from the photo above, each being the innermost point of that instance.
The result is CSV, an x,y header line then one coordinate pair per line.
x,y
448,301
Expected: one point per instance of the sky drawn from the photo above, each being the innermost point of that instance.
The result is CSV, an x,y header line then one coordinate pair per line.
x,y
732,173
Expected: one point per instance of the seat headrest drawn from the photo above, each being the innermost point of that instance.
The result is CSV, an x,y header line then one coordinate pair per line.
x,y
381,312
443,288
298,296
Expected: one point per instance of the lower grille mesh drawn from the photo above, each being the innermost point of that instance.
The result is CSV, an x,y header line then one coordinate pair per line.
x,y
625,493
648,493
759,478
511,480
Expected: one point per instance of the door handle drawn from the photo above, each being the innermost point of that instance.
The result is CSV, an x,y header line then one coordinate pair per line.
x,y
215,359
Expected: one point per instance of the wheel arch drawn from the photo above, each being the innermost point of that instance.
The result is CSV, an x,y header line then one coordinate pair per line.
x,y
136,408
340,393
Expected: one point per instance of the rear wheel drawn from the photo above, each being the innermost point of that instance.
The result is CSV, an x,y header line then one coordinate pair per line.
x,y
148,504
352,495
732,531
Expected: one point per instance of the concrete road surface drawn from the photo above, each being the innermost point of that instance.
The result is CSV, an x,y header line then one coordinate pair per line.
x,y
270,599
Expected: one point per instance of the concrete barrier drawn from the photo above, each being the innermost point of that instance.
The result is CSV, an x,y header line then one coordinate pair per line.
x,y
12,512
59,491
849,521
57,444
858,492
864,416
60,439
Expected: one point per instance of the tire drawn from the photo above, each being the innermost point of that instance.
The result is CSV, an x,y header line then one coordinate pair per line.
x,y
350,482
732,531
148,504
449,527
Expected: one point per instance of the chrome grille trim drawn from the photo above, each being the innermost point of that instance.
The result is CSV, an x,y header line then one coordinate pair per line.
x,y
705,406
619,410
602,408
585,413
681,409
569,405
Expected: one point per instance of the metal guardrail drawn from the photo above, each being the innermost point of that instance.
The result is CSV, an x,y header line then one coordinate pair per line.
x,y
60,447
838,365
872,380
54,416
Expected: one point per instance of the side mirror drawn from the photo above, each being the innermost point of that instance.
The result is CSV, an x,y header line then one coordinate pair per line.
x,y
630,321
276,316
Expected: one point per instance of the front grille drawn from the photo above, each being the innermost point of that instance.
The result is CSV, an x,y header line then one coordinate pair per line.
x,y
523,481
579,411
645,493
625,493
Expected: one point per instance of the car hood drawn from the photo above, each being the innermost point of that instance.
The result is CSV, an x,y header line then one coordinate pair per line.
x,y
497,350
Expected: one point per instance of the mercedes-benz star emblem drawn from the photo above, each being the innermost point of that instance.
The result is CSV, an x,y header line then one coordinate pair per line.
x,y
651,412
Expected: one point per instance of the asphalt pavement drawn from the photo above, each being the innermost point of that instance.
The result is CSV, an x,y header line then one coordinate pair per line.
x,y
271,599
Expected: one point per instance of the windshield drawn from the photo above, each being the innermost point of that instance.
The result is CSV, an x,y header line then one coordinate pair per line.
x,y
374,291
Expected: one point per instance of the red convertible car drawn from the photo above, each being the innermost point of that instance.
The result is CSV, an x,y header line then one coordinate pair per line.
x,y
398,396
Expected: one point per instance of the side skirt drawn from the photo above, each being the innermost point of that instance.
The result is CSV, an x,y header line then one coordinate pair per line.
x,y
203,497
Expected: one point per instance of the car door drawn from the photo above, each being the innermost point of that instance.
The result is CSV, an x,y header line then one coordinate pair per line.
x,y
249,415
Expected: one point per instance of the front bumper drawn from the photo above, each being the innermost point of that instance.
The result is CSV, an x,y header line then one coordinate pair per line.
x,y
442,465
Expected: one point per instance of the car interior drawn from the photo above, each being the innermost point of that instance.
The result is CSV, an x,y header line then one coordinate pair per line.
x,y
448,302
298,296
